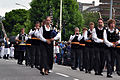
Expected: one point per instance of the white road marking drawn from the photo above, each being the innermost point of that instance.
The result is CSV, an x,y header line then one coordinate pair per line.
x,y
75,79
62,75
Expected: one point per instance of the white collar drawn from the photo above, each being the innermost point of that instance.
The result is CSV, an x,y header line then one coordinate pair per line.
x,y
47,28
100,28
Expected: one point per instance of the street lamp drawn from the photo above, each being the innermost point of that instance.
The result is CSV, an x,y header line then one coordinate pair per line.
x,y
21,5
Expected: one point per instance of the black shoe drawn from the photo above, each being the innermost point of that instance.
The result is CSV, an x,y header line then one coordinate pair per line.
x,y
42,73
118,73
86,71
81,69
73,68
99,74
109,76
32,66
89,72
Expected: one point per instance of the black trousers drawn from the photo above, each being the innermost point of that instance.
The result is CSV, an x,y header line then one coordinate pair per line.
x,y
89,58
34,55
97,60
77,58
110,56
20,57
102,58
27,55
118,60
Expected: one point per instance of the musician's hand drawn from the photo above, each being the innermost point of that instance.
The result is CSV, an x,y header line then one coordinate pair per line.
x,y
90,36
114,45
52,39
48,41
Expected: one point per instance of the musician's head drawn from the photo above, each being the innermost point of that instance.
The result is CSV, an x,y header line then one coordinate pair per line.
x,y
84,29
100,22
48,20
91,25
43,22
37,24
23,30
111,23
76,30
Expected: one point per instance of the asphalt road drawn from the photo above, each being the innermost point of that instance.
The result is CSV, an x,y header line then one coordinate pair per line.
x,y
9,70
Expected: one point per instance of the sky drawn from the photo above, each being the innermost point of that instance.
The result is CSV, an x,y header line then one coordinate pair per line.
x,y
9,5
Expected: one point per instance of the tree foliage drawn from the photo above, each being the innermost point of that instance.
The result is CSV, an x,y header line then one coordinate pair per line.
x,y
72,17
15,20
90,17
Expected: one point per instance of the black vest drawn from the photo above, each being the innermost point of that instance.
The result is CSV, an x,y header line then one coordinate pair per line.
x,y
75,46
89,35
33,41
33,35
99,33
22,37
47,34
112,37
89,44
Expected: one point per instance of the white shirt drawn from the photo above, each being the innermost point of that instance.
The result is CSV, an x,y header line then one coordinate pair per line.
x,y
40,34
94,36
86,34
109,44
73,36
17,37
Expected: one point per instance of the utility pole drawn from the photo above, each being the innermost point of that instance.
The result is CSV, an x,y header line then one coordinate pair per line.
x,y
111,5
60,19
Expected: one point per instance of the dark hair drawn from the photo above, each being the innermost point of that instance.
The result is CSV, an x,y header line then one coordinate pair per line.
x,y
110,21
37,22
100,19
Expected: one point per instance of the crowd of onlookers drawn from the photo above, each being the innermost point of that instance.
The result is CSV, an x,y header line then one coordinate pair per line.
x,y
62,51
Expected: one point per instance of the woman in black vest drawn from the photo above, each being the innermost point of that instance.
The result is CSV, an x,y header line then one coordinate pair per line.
x,y
111,39
47,51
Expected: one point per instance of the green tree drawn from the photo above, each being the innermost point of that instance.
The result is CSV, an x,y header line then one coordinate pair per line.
x,y
90,17
15,20
71,14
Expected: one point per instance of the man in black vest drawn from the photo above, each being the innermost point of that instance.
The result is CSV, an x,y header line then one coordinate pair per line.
x,y
21,38
111,39
99,49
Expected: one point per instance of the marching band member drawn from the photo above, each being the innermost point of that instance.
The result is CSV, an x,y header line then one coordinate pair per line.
x,y
89,49
47,38
21,39
75,49
35,48
99,49
111,39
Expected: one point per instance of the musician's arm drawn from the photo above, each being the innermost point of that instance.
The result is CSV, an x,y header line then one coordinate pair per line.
x,y
17,37
40,35
109,44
